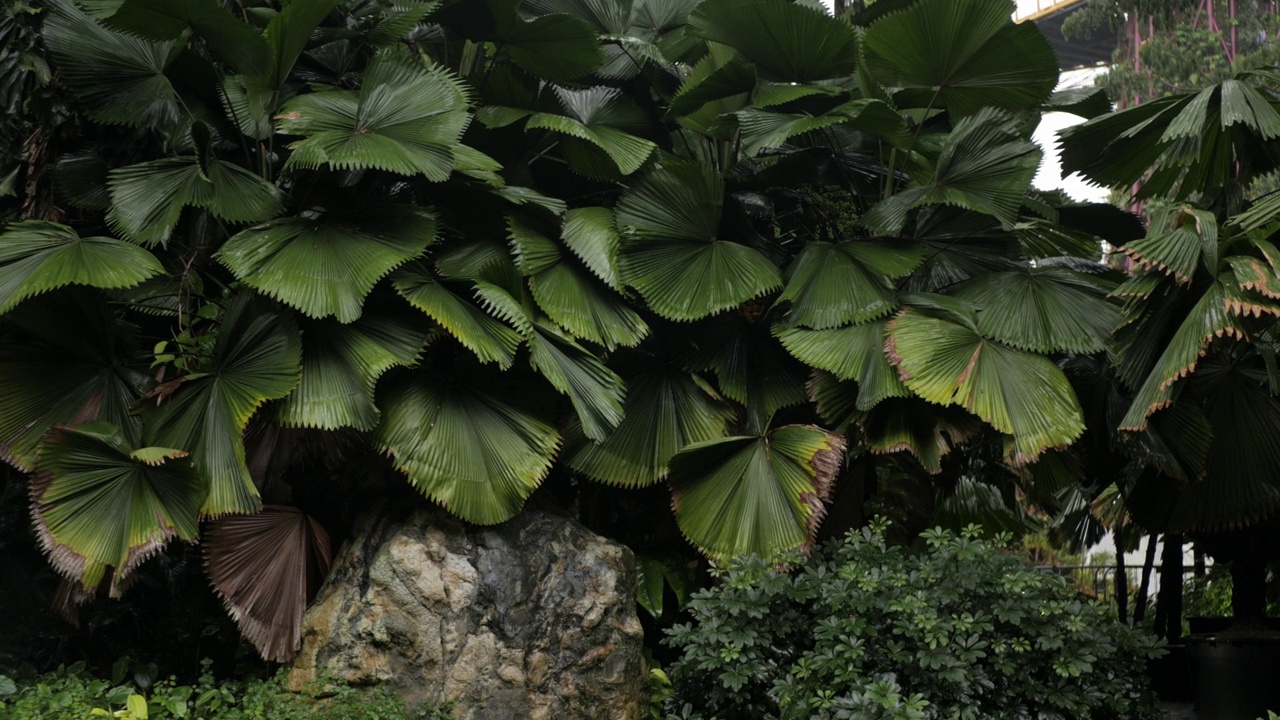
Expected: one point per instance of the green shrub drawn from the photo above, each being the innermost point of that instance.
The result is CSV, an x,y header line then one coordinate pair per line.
x,y
73,694
863,631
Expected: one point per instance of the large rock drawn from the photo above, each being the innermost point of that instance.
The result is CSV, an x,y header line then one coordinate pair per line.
x,y
533,619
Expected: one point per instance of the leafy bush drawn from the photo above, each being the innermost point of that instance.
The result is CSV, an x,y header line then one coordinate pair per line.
x,y
73,694
865,631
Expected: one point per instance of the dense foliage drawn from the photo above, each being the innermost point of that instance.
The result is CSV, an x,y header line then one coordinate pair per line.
x,y
863,630
74,694
268,254
1168,47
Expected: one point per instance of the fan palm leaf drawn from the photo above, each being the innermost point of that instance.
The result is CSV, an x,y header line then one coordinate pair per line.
x,y
36,257
1217,314
962,55
910,425
120,79
672,252
65,360
147,199
1018,393
239,44
604,117
489,338
555,47
751,367
265,567
326,266
1043,309
477,449
405,119
786,42
341,365
577,302
985,165
853,353
765,130
595,391
99,502
256,357
829,285
1180,145
591,234
665,410
288,33
1178,243
758,495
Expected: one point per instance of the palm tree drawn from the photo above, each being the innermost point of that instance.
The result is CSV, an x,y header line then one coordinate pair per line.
x,y
711,245
1195,355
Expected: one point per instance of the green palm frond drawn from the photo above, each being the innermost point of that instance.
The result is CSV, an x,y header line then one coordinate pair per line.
x,y
1259,275
1180,145
927,432
119,78
256,357
665,410
1208,320
962,55
1179,242
603,117
758,495
341,365
248,103
607,17
765,130
239,44
557,48
1016,392
147,199
853,353
490,339
326,266
726,82
985,165
574,300
65,360
99,502
405,119
786,42
595,391
672,252
477,448
1043,309
288,33
829,285
751,366
592,235
36,257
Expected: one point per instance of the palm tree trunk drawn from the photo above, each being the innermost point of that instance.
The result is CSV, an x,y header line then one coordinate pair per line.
x,y
1148,565
1169,601
1122,579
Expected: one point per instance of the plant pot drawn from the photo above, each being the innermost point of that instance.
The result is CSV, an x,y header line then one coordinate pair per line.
x,y
1170,674
1234,676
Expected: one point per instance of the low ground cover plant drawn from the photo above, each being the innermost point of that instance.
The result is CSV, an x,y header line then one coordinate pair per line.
x,y
864,631
72,693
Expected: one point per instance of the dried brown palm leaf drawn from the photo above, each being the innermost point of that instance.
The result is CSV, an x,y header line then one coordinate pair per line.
x,y
266,567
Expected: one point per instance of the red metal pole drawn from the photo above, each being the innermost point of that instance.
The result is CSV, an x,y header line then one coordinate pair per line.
x,y
1231,8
